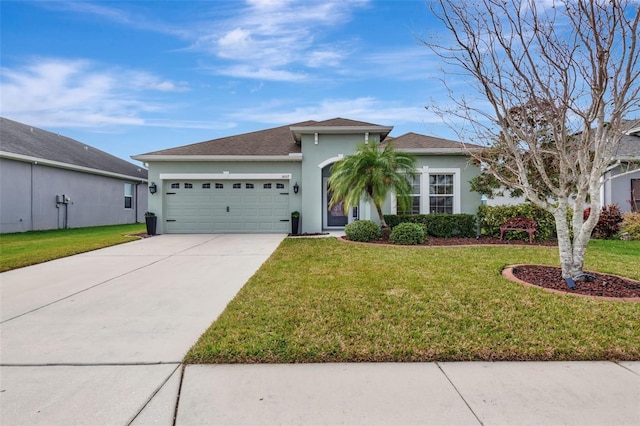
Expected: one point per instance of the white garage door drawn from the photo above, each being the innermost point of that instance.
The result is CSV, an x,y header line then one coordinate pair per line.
x,y
227,206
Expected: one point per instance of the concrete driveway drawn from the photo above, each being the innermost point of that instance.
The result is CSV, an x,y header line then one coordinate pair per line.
x,y
92,338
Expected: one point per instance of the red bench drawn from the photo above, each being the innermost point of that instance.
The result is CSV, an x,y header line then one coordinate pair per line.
x,y
519,223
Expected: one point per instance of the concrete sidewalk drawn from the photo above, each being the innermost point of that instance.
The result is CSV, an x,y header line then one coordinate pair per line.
x,y
465,393
97,339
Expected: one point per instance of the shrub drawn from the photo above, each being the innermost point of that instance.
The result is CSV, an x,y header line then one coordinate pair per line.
x,y
491,217
363,231
439,225
609,222
631,225
407,233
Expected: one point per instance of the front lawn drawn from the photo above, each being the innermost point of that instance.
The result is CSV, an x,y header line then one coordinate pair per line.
x,y
321,300
30,248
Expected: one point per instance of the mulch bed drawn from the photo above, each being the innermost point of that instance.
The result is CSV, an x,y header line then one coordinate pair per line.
x,y
603,285
484,240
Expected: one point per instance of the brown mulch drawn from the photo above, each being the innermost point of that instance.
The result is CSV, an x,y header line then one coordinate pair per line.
x,y
603,285
434,242
141,235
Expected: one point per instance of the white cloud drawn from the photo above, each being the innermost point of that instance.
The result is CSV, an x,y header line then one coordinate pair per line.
x,y
79,93
275,36
364,109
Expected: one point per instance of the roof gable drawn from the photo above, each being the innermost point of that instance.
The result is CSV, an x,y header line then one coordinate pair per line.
x,y
24,140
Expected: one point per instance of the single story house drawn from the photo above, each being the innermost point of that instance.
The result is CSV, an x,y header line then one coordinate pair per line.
x,y
253,182
48,181
622,180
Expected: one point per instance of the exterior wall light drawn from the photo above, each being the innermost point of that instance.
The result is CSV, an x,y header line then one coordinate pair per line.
x,y
153,188
296,188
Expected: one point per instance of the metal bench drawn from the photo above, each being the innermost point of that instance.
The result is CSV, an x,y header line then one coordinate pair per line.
x,y
519,223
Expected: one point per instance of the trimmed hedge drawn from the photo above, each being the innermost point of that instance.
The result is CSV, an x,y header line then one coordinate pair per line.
x,y
491,217
364,231
439,225
407,234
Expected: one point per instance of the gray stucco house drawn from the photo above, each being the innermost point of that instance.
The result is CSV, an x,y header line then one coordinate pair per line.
x,y
622,180
48,181
252,182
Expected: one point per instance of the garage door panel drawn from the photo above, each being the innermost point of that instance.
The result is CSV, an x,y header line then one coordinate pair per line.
x,y
250,208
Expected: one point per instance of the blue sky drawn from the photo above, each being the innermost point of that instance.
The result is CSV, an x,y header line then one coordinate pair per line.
x,y
134,77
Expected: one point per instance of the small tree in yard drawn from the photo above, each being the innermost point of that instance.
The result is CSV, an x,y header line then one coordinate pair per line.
x,y
556,82
371,173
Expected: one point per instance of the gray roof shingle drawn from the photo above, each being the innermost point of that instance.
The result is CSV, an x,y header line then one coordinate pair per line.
x,y
417,141
275,141
22,139
630,143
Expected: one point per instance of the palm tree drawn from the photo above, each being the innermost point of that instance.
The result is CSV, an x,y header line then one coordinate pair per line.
x,y
370,173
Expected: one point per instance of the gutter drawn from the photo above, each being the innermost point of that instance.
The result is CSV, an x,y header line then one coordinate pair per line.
x,y
67,166
228,158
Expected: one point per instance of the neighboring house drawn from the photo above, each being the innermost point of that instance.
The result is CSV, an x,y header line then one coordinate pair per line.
x,y
252,182
48,181
622,180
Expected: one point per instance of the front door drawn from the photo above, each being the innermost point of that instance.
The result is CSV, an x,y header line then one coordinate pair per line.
x,y
336,216
635,195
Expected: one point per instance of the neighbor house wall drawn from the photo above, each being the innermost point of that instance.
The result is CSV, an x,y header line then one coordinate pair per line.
x,y
617,186
156,201
29,191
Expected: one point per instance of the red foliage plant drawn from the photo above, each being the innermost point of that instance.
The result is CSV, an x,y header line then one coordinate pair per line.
x,y
609,222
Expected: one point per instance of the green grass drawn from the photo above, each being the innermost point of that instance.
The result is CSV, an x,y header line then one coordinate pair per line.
x,y
30,248
321,300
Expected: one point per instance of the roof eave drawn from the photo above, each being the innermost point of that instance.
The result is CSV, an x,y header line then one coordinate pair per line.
x,y
439,151
67,166
298,131
148,158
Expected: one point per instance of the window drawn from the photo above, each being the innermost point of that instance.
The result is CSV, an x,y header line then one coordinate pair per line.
x,y
248,185
237,186
128,195
206,186
414,194
267,186
280,185
188,186
441,193
219,186
175,186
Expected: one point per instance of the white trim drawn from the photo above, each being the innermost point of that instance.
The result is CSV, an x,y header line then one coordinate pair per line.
x,y
315,138
331,161
67,166
150,158
225,176
427,171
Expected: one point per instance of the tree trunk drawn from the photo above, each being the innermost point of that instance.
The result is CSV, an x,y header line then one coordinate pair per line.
x,y
383,224
572,250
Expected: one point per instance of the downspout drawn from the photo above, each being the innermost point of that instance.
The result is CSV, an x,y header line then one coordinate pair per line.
x,y
31,207
136,207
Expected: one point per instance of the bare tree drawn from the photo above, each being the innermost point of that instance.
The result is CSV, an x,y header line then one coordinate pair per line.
x,y
556,82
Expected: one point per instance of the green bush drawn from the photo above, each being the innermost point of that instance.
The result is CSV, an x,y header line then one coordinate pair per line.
x,y
439,225
363,231
491,217
408,234
631,225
